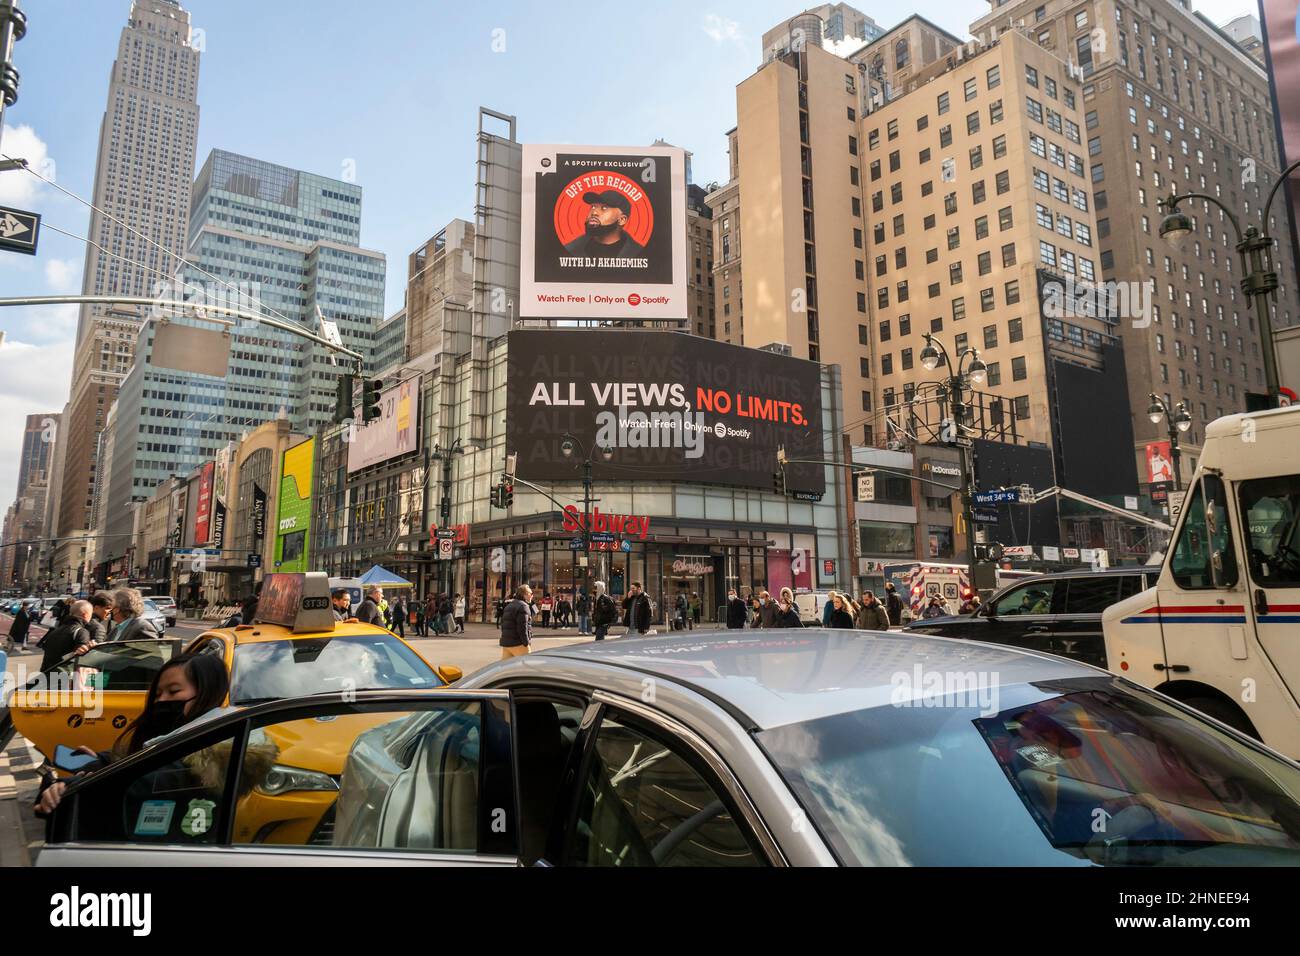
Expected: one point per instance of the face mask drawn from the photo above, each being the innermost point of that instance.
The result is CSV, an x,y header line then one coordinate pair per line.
x,y
167,716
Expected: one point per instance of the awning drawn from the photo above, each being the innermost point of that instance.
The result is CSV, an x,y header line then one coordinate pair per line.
x,y
382,577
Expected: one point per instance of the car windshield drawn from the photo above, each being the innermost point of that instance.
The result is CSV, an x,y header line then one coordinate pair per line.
x,y
1069,772
278,669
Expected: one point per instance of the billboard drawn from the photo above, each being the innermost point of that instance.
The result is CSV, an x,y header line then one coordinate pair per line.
x,y
603,232
293,519
203,508
1160,462
393,433
672,407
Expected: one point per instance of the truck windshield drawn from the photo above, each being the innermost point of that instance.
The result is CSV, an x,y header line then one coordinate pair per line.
x,y
1271,508
1078,771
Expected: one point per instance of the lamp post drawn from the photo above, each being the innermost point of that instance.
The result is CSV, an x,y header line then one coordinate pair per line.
x,y
446,456
1259,278
959,379
570,445
1178,420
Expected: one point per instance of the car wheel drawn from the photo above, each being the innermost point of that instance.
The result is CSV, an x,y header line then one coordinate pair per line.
x,y
1224,713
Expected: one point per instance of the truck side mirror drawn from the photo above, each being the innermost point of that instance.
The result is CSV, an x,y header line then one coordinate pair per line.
x,y
1216,570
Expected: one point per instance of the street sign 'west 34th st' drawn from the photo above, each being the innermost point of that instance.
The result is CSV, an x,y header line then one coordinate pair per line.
x,y
19,230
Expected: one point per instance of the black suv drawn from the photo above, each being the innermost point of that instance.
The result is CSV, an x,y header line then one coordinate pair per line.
x,y
1057,613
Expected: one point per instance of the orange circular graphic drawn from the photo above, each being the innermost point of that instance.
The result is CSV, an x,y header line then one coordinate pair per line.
x,y
571,208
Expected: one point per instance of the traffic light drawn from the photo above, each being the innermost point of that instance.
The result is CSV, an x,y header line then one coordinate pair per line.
x,y
370,399
778,482
507,495
343,400
498,497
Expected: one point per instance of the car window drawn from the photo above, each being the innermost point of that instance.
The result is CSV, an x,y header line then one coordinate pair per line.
x,y
130,665
1204,538
278,669
644,804
1078,771
1032,598
1131,584
1090,594
1271,508
545,733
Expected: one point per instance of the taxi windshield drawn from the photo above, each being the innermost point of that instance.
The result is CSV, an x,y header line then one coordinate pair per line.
x,y
278,669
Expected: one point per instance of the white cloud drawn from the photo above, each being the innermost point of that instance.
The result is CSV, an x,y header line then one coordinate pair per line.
x,y
63,275
19,187
721,30
33,379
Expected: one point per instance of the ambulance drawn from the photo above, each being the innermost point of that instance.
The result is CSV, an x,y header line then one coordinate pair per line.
x,y
1220,631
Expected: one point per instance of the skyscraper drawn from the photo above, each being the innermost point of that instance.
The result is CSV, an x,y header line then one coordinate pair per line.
x,y
284,243
142,178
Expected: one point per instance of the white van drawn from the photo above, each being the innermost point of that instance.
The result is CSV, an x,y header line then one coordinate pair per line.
x,y
1221,628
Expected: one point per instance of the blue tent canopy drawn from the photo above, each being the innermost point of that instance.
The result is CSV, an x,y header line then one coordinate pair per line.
x,y
381,577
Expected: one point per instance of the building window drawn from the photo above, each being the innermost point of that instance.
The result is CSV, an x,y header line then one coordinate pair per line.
x,y
1018,371
1022,407
1009,254
1012,293
1015,327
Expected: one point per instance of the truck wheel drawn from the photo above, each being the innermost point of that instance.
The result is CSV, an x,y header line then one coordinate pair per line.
x,y
1223,712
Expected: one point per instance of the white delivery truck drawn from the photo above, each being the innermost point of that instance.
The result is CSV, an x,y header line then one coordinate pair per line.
x,y
1221,628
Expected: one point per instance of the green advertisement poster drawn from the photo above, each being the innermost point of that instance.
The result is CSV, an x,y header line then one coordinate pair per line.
x,y
293,525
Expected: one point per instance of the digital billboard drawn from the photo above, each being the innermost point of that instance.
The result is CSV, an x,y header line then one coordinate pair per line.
x,y
603,232
670,406
293,518
393,433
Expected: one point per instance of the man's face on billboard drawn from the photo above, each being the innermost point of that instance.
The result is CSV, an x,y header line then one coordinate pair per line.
x,y
604,220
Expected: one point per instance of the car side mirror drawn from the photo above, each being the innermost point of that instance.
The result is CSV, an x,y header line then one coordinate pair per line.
x,y
450,673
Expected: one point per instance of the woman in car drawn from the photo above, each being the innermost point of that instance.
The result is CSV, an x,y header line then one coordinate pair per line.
x,y
186,689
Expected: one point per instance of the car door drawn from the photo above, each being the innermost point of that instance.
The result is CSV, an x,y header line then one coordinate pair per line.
x,y
393,777
1270,515
1076,631
88,700
1023,616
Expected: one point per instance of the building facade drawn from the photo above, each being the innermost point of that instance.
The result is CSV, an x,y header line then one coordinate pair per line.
x,y
142,179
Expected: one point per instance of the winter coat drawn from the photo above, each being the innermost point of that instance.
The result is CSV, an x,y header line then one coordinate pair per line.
x,y
871,617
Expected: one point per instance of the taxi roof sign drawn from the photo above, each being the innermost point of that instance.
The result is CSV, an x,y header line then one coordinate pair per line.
x,y
300,602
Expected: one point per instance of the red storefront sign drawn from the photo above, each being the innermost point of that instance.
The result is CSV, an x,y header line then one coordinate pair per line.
x,y
632,526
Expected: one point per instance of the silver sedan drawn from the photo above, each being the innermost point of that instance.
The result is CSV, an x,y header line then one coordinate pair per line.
x,y
760,748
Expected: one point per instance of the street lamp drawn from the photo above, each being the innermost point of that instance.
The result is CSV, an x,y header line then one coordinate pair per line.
x,y
1179,421
570,445
959,379
1259,278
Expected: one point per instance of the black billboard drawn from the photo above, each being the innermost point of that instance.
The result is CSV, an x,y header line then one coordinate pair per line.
x,y
672,407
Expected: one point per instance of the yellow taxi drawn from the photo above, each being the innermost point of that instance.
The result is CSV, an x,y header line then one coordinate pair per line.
x,y
295,648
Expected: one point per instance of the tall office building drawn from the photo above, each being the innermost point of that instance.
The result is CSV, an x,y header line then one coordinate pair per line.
x,y
699,263
833,26
1171,105
286,243
142,178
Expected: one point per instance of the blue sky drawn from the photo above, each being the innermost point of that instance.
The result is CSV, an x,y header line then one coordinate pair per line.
x,y
392,86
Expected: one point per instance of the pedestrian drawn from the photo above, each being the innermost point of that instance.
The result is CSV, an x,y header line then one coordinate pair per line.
x,y
431,619
546,610
787,614
71,635
517,624
639,611
458,613
445,610
604,612
501,606
971,605
22,623
129,624
767,610
682,612
736,613
368,610
420,628
398,611
842,612
584,613
697,606
829,608
247,610
101,606
871,615
753,607
935,608
59,609
893,605
341,602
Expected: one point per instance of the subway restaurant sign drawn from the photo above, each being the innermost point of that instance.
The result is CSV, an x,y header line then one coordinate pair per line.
x,y
293,525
